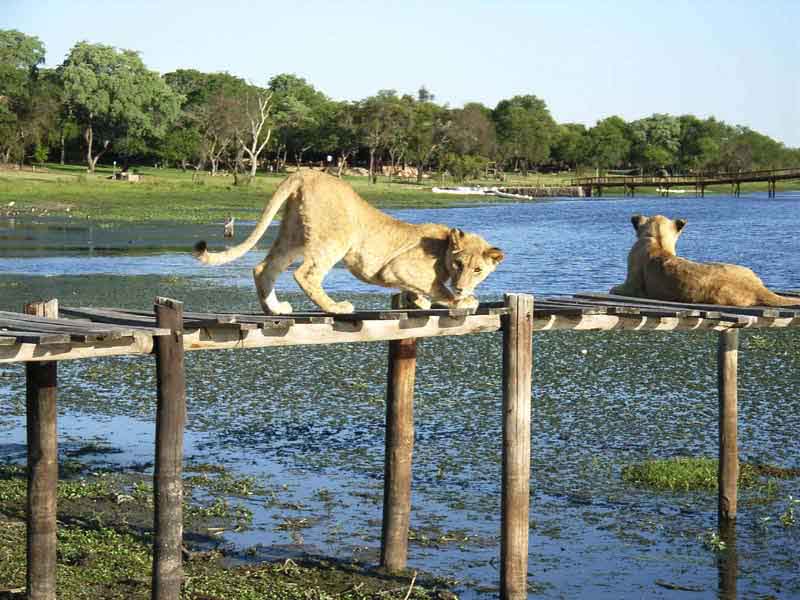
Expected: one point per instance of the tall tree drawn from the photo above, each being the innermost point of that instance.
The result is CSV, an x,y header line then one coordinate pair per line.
x,y
525,130
609,144
472,131
21,93
429,134
570,144
656,141
298,113
114,96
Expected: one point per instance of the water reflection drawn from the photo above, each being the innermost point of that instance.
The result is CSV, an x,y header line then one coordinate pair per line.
x,y
728,560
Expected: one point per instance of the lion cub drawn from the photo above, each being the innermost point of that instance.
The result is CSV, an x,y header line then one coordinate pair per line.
x,y
325,221
654,271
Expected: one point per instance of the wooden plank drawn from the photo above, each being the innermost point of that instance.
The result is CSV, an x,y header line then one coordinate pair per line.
x,y
80,332
5,314
7,341
728,471
399,450
756,311
646,309
517,369
113,317
30,337
167,477
341,332
42,440
140,343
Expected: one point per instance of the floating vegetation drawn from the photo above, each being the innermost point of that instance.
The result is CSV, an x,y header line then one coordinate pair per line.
x,y
686,473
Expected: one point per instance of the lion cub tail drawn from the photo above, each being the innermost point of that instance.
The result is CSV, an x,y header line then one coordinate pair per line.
x,y
770,298
288,187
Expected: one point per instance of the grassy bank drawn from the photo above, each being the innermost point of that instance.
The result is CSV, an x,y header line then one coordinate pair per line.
x,y
173,195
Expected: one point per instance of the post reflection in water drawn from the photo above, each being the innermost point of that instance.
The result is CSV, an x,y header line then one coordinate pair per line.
x,y
728,560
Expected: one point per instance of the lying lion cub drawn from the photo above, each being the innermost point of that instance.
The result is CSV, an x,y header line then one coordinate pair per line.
x,y
325,221
654,271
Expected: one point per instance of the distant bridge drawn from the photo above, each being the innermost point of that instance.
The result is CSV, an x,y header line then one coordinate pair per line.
x,y
698,181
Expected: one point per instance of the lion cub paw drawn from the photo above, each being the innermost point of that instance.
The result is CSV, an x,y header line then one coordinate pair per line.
x,y
468,302
418,301
341,308
281,308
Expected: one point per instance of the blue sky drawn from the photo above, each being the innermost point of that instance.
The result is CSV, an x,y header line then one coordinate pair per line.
x,y
736,60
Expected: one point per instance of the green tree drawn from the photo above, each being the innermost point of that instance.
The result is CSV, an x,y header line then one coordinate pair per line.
x,y
299,112
609,144
428,134
22,96
380,125
341,131
656,141
113,96
570,144
525,131
472,131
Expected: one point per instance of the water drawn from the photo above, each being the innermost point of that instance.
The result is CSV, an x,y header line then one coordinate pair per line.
x,y
309,421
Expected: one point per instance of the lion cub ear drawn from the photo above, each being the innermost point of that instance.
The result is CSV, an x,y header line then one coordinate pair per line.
x,y
637,221
456,235
680,223
494,254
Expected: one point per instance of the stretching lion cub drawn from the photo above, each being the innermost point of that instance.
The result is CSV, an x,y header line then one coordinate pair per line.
x,y
325,221
654,271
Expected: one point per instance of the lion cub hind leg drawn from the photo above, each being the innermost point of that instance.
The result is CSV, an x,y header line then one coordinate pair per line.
x,y
309,276
266,274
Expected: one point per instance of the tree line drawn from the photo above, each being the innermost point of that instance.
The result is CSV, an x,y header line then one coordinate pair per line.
x,y
104,103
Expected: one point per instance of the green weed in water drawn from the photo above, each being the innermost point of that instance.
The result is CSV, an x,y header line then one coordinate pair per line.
x,y
686,473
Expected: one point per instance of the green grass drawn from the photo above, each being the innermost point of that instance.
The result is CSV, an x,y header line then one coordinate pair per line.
x,y
685,473
173,195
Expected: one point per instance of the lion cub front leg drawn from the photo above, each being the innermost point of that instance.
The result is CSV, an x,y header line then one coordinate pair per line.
x,y
309,276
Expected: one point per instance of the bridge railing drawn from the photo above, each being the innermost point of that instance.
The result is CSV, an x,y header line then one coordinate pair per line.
x,y
697,178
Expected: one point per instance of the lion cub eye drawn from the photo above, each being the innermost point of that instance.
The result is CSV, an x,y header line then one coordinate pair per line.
x,y
478,270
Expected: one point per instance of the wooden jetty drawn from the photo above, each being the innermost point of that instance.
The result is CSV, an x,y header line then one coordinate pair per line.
x,y
696,182
44,334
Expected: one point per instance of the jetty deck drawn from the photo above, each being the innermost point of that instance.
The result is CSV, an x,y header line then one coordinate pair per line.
x,y
45,334
696,181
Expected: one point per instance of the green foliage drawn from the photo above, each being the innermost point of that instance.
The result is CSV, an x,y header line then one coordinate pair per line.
x,y
112,94
107,99
463,167
609,143
686,473
525,130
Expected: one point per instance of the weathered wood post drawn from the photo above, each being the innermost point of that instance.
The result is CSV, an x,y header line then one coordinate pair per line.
x,y
41,391
728,472
517,367
399,449
167,478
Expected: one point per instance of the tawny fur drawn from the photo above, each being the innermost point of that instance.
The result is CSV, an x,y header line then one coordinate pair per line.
x,y
325,221
654,271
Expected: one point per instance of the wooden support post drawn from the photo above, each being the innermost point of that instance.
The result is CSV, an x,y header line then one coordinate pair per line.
x,y
728,472
42,386
167,479
399,450
517,367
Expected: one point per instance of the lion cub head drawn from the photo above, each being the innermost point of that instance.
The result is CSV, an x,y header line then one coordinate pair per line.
x,y
469,260
658,229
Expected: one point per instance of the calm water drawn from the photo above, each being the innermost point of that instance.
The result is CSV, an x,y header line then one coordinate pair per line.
x,y
311,419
